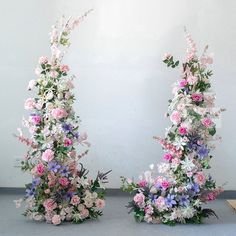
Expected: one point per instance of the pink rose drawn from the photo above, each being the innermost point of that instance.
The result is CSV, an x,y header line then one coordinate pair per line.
x,y
182,130
43,60
48,155
75,200
64,68
200,178
40,169
29,104
168,156
139,199
142,183
49,204
67,142
56,219
197,97
54,74
165,184
59,113
175,117
183,83
84,213
36,119
64,181
100,203
207,122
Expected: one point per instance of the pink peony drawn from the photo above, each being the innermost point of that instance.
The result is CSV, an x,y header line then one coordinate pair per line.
x,y
67,142
142,183
29,104
182,130
175,117
43,60
85,213
207,122
165,184
75,200
197,97
64,68
100,203
59,113
168,156
40,169
200,178
49,204
139,199
183,83
36,119
56,219
54,74
48,155
64,181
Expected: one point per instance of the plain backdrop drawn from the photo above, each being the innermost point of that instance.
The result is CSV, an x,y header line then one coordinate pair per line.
x,y
122,86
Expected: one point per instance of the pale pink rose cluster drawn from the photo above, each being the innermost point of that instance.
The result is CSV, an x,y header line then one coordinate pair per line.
x,y
48,155
30,104
139,199
207,122
59,113
175,117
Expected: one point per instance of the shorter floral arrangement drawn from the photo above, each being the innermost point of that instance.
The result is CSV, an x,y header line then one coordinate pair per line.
x,y
60,189
178,194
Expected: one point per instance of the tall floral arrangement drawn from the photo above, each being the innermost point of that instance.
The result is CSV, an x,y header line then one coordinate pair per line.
x,y
60,189
178,194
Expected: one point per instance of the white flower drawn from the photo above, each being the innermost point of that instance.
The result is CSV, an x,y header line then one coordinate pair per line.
x,y
49,95
188,212
163,167
179,143
187,165
31,84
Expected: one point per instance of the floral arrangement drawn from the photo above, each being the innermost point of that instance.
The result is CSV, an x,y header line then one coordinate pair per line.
x,y
60,190
177,195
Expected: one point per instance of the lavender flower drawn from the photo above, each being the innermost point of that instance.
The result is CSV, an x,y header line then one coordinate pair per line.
x,y
67,127
53,166
183,200
64,171
169,200
36,181
30,192
202,152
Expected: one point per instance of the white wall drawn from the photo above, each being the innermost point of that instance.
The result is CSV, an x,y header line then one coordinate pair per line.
x,y
122,85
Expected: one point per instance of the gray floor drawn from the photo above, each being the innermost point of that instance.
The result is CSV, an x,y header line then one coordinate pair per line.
x,y
115,221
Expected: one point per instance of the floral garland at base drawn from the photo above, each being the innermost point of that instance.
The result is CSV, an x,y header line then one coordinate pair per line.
x,y
177,195
59,191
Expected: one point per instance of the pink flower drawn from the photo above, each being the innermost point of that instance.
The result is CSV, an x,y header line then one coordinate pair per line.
x,y
142,183
64,68
175,117
48,155
75,200
166,56
165,184
40,169
59,113
67,142
168,156
100,203
200,178
54,74
36,119
160,203
192,79
139,199
207,122
56,219
84,213
210,196
29,104
197,97
43,60
63,181
183,83
182,130
72,154
47,191
49,204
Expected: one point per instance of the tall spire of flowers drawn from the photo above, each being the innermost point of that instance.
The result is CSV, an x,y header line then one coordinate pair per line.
x,y
178,194
60,189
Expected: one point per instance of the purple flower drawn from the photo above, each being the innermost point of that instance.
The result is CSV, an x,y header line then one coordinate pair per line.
x,y
183,200
67,127
64,171
169,200
76,135
202,152
195,188
30,192
53,166
69,195
36,181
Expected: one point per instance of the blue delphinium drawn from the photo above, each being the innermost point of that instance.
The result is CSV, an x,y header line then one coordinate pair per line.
x,y
169,200
183,200
64,171
30,192
202,152
53,166
67,128
36,181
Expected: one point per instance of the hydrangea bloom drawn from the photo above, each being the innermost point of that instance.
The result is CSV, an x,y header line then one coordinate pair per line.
x,y
178,197
59,191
